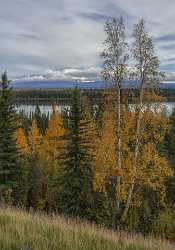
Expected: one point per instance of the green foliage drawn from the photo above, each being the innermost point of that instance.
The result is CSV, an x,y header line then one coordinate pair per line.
x,y
76,174
150,208
41,119
141,218
168,146
10,170
103,209
170,191
164,225
37,182
169,142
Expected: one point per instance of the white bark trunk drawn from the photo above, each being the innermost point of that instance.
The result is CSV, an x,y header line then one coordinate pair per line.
x,y
136,151
118,153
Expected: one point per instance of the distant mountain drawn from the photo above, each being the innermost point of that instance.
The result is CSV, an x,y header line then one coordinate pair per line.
x,y
55,84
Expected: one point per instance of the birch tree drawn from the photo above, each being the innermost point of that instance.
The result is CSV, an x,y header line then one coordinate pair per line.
x,y
147,75
115,59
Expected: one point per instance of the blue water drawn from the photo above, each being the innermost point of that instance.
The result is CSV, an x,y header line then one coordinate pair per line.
x,y
54,84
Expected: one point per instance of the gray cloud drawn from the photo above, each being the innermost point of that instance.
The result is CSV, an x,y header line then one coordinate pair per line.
x,y
169,37
95,16
39,35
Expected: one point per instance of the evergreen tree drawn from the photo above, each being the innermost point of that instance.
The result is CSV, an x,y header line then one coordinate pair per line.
x,y
76,173
9,164
169,142
35,197
41,120
167,148
37,183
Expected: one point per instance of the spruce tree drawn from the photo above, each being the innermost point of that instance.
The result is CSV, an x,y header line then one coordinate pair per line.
x,y
9,165
41,119
76,171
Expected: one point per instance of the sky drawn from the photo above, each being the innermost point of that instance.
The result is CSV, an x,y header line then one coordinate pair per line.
x,y
64,38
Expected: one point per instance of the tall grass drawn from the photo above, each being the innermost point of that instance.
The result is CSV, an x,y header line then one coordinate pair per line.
x,y
26,231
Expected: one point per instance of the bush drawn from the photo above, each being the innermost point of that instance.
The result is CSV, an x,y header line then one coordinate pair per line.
x,y
164,225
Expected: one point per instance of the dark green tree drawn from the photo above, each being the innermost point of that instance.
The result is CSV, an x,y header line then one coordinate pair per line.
x,y
76,171
41,119
167,148
9,164
37,184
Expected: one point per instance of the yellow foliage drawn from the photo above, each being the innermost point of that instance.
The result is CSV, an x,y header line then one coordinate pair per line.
x,y
34,138
53,141
152,167
105,162
22,145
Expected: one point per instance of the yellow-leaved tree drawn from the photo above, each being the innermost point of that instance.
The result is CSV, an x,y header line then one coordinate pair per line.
x,y
34,138
22,144
153,166
105,160
53,141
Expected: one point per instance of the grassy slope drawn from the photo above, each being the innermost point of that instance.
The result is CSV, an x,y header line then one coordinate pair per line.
x,y
22,231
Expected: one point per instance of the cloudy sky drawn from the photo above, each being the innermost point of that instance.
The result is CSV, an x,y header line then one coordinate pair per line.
x,y
64,38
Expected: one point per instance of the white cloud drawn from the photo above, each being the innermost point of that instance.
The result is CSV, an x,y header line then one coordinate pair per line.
x,y
77,74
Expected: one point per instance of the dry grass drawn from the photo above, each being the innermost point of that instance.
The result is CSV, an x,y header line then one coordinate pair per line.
x,y
26,231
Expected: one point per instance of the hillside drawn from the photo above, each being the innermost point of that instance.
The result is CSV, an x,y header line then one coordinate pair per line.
x,y
23,231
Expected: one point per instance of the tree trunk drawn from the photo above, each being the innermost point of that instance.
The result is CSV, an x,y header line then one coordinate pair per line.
x,y
118,149
136,152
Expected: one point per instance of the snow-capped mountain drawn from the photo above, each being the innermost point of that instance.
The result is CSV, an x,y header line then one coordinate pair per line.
x,y
69,74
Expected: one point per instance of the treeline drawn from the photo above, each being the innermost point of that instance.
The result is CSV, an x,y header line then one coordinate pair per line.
x,y
63,96
112,163
51,96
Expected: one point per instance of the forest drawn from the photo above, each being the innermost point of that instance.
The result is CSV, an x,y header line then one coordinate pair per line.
x,y
112,163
